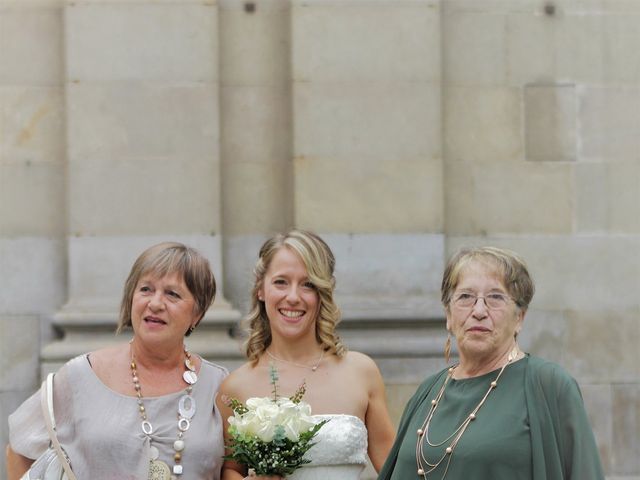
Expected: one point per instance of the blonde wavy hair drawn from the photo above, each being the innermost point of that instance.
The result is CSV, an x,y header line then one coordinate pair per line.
x,y
319,263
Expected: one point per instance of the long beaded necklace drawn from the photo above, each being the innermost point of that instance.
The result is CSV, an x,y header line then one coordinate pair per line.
x,y
159,470
424,466
313,367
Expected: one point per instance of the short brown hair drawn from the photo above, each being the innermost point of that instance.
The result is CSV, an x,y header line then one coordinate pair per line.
x,y
166,258
509,265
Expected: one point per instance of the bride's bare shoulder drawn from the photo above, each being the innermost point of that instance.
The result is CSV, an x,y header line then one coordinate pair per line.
x,y
239,381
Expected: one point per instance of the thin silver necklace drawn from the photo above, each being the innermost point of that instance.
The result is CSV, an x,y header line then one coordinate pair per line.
x,y
312,367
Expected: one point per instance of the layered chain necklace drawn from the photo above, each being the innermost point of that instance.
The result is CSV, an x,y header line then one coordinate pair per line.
x,y
312,367
424,466
159,470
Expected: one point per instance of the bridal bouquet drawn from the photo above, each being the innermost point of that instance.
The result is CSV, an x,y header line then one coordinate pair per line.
x,y
270,435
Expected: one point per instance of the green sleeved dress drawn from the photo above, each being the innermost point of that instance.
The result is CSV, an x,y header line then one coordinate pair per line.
x,y
533,426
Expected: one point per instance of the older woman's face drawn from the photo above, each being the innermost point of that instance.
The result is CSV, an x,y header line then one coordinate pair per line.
x,y
162,308
481,331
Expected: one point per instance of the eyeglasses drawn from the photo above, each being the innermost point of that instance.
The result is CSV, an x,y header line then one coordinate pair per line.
x,y
493,301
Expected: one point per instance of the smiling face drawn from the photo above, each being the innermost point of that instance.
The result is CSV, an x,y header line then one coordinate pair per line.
x,y
163,308
290,299
479,331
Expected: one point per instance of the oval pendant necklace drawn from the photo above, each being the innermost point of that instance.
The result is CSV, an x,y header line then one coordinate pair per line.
x,y
159,470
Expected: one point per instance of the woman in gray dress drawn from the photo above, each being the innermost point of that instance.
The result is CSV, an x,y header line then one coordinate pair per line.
x,y
143,408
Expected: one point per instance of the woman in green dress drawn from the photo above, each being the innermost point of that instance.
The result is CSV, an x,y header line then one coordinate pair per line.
x,y
499,413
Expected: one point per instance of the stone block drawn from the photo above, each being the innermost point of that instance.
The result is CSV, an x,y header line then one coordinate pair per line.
x,y
143,196
545,334
626,428
174,42
550,122
398,395
598,402
240,256
406,196
98,288
591,339
32,275
474,49
509,198
20,345
579,273
483,124
32,124
608,197
579,45
143,120
620,37
609,124
624,197
32,200
255,46
31,44
592,197
265,206
350,41
391,122
530,47
393,265
255,124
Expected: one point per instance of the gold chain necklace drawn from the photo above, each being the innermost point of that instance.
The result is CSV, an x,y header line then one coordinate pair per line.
x,y
424,466
313,367
159,470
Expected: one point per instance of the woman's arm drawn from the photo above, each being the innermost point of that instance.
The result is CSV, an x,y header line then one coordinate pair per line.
x,y
17,464
379,426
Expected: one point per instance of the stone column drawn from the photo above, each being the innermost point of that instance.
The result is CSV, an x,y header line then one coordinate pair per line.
x,y
368,172
31,192
143,158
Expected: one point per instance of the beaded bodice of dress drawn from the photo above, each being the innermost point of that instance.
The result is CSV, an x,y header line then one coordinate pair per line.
x,y
340,452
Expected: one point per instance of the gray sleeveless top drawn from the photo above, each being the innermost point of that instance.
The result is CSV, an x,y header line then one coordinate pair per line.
x,y
100,429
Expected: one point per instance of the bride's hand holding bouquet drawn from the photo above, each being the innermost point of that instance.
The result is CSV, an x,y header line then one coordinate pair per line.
x,y
270,435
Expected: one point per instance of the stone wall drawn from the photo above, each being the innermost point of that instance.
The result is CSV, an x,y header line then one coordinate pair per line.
x,y
398,129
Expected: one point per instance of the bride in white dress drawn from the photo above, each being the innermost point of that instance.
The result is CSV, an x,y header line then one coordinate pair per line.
x,y
292,326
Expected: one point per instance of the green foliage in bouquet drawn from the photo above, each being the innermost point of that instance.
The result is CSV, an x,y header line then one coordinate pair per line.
x,y
271,435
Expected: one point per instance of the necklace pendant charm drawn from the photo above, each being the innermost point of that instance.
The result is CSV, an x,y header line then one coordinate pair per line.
x,y
153,453
189,364
158,470
187,406
190,377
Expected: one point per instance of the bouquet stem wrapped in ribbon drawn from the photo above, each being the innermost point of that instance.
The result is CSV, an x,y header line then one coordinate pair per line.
x,y
270,435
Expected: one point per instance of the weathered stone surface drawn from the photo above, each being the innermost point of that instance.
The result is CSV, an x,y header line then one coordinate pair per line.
x,y
350,41
174,41
626,428
38,189
609,124
32,122
474,48
508,198
255,46
598,402
32,269
344,121
31,51
114,119
323,187
483,124
20,346
550,122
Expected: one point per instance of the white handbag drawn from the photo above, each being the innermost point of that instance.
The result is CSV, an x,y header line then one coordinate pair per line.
x,y
54,463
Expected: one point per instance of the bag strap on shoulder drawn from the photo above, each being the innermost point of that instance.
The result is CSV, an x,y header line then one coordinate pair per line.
x,y
46,401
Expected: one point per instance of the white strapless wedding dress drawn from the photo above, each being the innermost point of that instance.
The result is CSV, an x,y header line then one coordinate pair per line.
x,y
340,452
